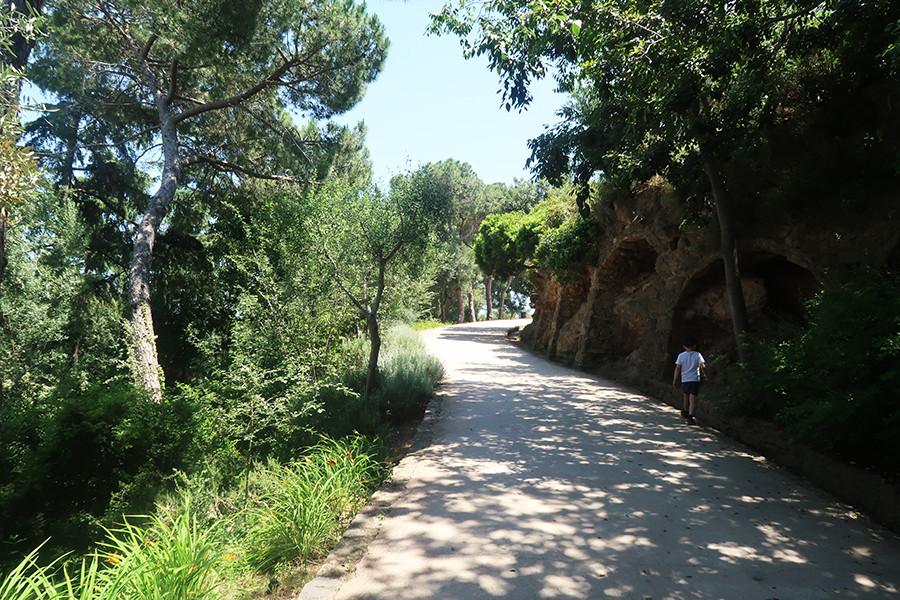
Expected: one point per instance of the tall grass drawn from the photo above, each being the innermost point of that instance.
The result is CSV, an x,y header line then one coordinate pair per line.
x,y
301,508
165,560
27,581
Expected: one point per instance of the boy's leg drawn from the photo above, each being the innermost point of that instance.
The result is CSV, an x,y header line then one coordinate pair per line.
x,y
692,404
685,405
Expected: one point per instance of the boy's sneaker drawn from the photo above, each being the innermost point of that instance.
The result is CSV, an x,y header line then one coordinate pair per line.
x,y
684,414
691,420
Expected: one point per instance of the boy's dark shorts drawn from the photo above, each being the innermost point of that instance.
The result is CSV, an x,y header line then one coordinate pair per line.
x,y
691,388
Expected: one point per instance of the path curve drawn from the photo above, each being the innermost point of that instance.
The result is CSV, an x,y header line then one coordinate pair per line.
x,y
543,482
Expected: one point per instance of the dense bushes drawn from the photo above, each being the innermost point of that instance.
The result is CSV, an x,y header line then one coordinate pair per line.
x,y
834,385
86,457
92,455
193,548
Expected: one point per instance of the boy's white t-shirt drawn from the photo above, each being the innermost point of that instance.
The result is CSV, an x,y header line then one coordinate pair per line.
x,y
690,362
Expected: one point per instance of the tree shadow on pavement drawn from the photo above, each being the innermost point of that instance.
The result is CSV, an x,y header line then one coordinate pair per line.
x,y
542,482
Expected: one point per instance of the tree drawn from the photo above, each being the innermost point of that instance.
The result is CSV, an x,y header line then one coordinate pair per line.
x,y
367,238
211,80
18,176
663,86
496,250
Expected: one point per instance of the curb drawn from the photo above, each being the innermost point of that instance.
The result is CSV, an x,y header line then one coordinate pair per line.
x,y
366,525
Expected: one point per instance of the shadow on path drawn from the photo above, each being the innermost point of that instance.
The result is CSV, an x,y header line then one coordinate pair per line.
x,y
542,482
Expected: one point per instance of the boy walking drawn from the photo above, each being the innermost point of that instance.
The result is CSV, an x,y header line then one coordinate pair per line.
x,y
690,365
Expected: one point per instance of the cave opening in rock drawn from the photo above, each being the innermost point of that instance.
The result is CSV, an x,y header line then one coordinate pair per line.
x,y
788,287
629,265
627,268
776,291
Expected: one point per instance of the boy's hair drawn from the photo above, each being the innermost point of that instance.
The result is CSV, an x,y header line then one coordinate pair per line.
x,y
689,341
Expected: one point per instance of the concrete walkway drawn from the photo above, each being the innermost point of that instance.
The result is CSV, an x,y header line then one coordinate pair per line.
x,y
543,482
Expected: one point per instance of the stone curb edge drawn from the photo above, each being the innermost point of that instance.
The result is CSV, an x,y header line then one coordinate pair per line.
x,y
366,525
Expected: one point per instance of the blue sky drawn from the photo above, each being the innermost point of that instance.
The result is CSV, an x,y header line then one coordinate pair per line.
x,y
429,103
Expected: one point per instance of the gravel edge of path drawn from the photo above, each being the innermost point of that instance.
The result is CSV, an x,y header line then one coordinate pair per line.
x,y
366,525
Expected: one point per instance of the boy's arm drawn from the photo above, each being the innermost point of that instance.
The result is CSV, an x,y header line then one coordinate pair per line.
x,y
675,376
703,368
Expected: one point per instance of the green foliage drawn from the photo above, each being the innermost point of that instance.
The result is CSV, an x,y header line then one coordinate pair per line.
x,y
408,374
833,385
27,581
92,455
168,558
174,558
565,250
496,248
663,86
552,237
191,545
300,509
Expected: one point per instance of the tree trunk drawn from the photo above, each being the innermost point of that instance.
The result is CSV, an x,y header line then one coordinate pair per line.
x,y
442,303
374,350
502,301
473,316
462,305
4,223
488,295
733,287
67,172
146,363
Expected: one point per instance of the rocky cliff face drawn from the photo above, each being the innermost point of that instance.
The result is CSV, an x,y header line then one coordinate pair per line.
x,y
655,280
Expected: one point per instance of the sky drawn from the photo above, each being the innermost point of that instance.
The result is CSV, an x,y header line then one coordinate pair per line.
x,y
429,103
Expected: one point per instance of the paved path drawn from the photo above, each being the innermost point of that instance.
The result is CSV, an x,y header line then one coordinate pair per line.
x,y
542,482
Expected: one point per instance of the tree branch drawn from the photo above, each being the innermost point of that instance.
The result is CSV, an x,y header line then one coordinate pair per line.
x,y
173,82
225,166
270,79
337,276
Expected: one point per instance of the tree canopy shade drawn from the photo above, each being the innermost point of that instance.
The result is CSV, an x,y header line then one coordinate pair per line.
x,y
668,86
205,85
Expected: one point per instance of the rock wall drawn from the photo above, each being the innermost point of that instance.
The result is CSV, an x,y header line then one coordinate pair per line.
x,y
656,280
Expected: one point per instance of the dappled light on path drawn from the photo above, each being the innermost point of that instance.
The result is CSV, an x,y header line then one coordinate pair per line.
x,y
542,482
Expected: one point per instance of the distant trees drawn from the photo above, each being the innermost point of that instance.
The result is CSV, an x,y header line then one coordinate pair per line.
x,y
204,84
496,251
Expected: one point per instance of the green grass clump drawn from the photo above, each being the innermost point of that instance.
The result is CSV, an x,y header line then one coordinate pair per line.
x,y
27,581
208,547
165,560
301,508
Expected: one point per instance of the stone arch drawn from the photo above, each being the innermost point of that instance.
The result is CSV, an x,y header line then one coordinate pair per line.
x,y
775,288
610,330
630,264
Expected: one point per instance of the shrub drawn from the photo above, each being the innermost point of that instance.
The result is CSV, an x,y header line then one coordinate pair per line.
x,y
408,373
103,451
834,385
565,250
300,509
